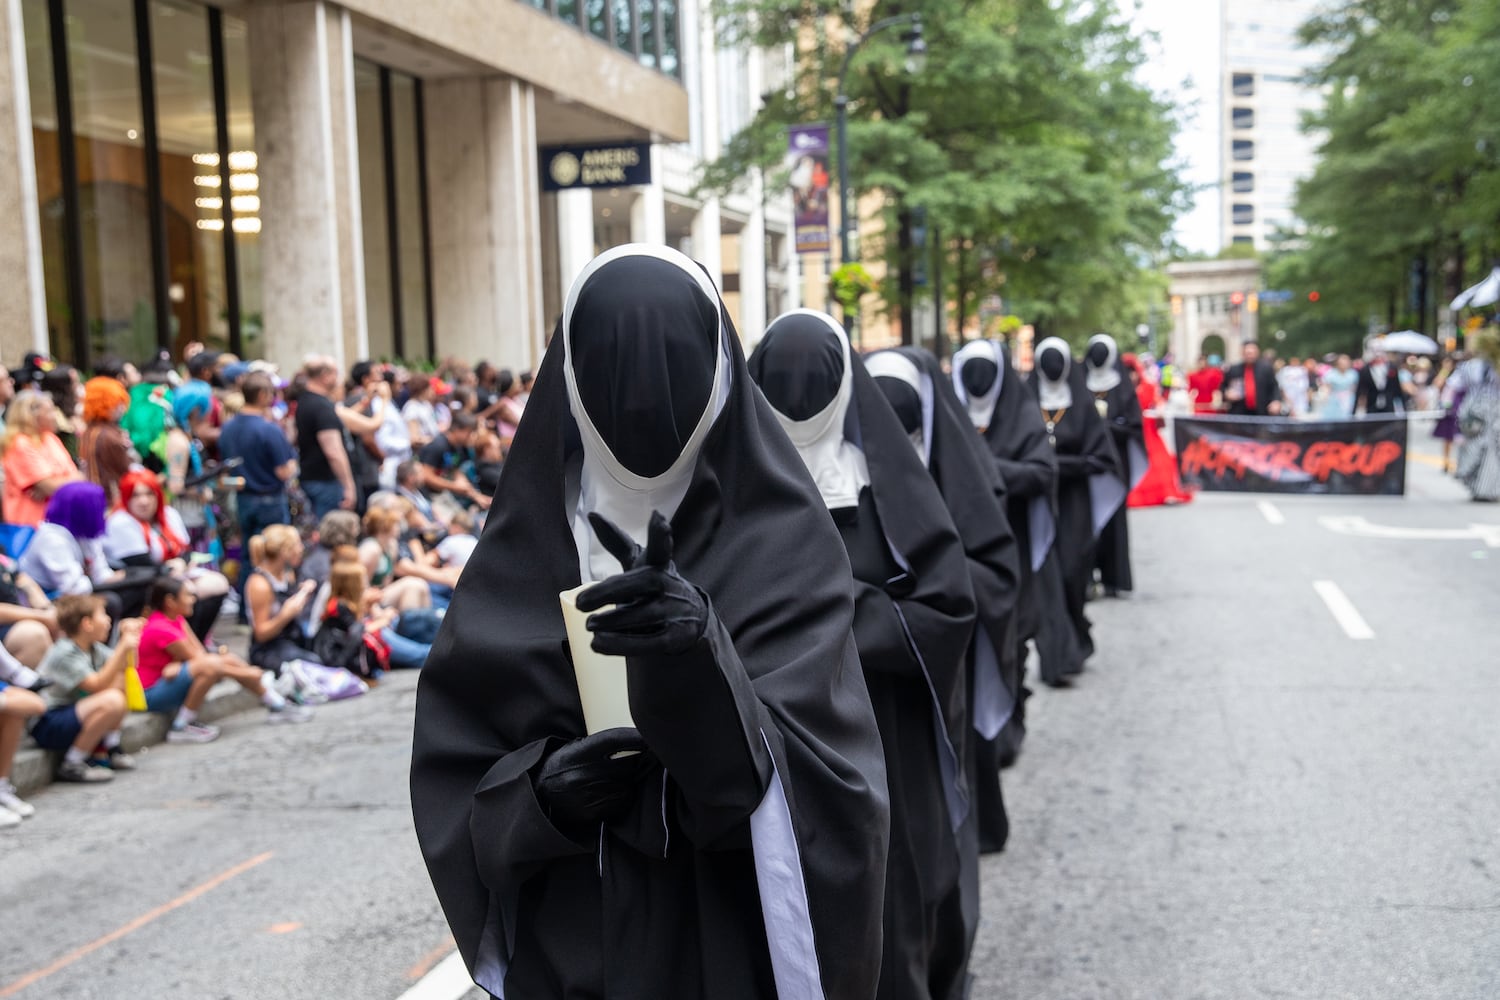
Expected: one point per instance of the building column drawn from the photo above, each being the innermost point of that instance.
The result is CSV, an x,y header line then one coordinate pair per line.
x,y
706,235
575,236
485,220
648,212
23,311
753,318
302,79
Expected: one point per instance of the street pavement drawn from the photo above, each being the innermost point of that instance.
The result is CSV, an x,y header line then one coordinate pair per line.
x,y
1236,800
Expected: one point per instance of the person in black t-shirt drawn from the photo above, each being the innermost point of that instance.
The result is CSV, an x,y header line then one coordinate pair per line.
x,y
322,442
442,460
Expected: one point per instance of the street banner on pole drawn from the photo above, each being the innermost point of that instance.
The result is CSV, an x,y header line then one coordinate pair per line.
x,y
807,160
1365,455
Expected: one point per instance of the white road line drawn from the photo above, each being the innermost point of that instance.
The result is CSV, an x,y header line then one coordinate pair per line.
x,y
449,980
1343,610
1271,512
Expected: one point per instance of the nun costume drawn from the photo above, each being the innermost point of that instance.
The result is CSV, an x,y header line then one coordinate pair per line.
x,y
1115,399
913,621
1090,489
731,844
1002,408
920,394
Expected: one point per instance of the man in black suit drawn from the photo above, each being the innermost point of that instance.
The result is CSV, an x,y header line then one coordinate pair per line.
x,y
1250,386
1379,390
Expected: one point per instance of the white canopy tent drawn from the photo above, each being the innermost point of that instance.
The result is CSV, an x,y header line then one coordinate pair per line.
x,y
1487,292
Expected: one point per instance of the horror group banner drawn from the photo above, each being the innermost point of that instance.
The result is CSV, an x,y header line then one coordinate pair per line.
x,y
807,161
1365,455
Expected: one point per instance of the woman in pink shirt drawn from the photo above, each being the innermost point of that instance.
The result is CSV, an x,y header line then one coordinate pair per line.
x,y
177,671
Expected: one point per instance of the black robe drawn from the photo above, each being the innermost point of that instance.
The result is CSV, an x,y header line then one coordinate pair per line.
x,y
770,812
1127,431
969,481
1027,466
1088,481
914,617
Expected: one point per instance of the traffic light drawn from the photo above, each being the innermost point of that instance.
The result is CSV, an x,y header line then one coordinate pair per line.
x,y
1236,298
1313,296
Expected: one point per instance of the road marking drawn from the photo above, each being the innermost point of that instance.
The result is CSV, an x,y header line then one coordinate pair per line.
x,y
426,962
1271,512
133,926
1343,610
1432,460
449,981
1360,527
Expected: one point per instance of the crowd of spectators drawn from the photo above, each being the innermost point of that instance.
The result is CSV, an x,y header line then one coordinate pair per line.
x,y
147,508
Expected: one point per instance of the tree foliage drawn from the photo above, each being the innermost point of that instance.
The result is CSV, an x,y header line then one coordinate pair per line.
x,y
1403,206
1036,153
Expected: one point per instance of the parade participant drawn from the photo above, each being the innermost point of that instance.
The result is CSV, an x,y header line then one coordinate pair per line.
x,y
1161,484
965,474
1204,384
1479,417
1250,386
1339,385
913,621
738,851
1379,389
1115,399
1090,487
1002,408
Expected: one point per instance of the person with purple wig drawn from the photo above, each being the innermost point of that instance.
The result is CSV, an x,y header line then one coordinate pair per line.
x,y
67,554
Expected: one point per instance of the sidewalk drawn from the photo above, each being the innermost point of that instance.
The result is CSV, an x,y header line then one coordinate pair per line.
x,y
34,766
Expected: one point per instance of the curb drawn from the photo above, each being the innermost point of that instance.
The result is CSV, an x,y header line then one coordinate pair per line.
x,y
34,766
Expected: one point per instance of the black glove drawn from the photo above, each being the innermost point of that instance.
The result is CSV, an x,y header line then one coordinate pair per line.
x,y
594,779
656,610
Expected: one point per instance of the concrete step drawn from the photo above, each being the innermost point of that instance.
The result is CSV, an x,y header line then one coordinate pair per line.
x,y
34,766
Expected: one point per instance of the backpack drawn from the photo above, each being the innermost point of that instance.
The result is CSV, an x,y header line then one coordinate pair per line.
x,y
343,642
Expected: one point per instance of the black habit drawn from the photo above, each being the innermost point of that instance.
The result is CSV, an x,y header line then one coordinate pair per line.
x,y
922,396
748,865
913,621
1090,487
1115,398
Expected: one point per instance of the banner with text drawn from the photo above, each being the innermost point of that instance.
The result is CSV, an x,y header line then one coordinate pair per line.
x,y
807,161
1366,455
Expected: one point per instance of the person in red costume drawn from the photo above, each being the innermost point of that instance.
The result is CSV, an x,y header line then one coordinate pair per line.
x,y
1204,383
1160,484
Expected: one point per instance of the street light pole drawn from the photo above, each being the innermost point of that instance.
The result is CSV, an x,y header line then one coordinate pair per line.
x,y
916,50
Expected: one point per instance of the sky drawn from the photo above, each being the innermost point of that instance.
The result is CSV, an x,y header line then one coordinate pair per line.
x,y
1188,50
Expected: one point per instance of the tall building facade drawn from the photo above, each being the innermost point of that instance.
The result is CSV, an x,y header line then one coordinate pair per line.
x,y
365,178
1263,151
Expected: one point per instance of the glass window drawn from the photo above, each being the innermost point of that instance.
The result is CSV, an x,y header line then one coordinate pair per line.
x,y
188,138
594,9
1243,240
1243,182
567,10
1243,117
242,155
670,64
1243,214
49,179
646,12
624,33
412,234
1243,84
1244,149
115,210
375,223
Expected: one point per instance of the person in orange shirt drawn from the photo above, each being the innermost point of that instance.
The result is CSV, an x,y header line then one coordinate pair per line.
x,y
35,461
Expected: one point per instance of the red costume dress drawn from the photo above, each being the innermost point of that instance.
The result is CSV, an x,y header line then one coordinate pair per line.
x,y
1202,384
1160,484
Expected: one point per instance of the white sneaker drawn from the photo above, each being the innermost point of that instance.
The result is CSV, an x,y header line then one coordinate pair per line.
x,y
289,713
8,818
11,802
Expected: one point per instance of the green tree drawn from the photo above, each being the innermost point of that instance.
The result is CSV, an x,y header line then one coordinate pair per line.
x,y
1037,155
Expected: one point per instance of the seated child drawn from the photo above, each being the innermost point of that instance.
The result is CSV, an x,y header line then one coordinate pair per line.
x,y
86,702
16,706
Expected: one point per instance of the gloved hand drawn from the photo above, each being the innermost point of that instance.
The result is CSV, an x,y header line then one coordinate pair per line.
x,y
656,610
593,779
